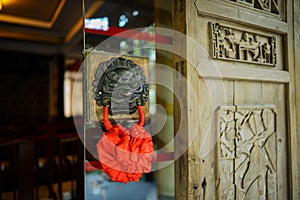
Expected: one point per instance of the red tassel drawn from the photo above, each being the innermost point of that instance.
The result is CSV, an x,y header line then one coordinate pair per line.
x,y
106,121
125,154
141,116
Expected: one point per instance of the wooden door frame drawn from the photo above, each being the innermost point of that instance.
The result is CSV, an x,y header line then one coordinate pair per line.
x,y
296,64
291,36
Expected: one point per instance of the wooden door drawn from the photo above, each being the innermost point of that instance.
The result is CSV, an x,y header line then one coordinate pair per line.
x,y
240,63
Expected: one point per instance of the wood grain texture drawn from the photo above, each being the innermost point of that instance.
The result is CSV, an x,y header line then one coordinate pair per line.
x,y
297,87
240,14
243,85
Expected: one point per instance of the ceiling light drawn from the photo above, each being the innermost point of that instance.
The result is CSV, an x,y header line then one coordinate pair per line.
x,y
101,23
135,13
123,20
1,5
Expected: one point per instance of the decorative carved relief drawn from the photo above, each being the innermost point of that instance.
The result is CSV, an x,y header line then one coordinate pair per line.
x,y
271,6
248,152
237,45
121,85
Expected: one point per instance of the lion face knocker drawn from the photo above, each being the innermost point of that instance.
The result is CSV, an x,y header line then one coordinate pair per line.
x,y
121,86
124,153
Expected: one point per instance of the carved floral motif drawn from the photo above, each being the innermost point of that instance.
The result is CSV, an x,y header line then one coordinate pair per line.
x,y
271,6
248,153
238,45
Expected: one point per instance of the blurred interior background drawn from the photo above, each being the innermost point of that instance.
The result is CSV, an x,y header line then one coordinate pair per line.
x,y
41,51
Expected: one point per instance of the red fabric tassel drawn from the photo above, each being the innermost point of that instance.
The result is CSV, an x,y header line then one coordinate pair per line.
x,y
106,121
125,154
141,116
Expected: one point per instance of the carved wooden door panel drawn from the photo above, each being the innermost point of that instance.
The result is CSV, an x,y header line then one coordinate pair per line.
x,y
239,63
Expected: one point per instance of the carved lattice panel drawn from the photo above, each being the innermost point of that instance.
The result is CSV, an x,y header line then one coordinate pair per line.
x,y
239,45
271,6
248,152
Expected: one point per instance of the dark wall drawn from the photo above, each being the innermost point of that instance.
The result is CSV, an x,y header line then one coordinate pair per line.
x,y
24,88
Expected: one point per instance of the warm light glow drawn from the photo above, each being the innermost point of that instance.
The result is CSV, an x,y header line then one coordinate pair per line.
x,y
29,21
72,108
1,6
8,2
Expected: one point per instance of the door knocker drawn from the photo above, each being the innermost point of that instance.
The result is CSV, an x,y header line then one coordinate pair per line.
x,y
120,86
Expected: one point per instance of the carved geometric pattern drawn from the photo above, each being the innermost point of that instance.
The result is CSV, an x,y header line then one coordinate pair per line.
x,y
238,45
248,152
271,6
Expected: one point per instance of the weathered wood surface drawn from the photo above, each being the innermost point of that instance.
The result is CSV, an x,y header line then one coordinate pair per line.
x,y
246,145
296,13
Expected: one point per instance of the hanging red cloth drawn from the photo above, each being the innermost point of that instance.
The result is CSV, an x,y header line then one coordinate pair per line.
x,y
125,154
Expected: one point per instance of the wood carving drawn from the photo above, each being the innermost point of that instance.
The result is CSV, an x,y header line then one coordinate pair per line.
x,y
237,45
271,6
248,152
